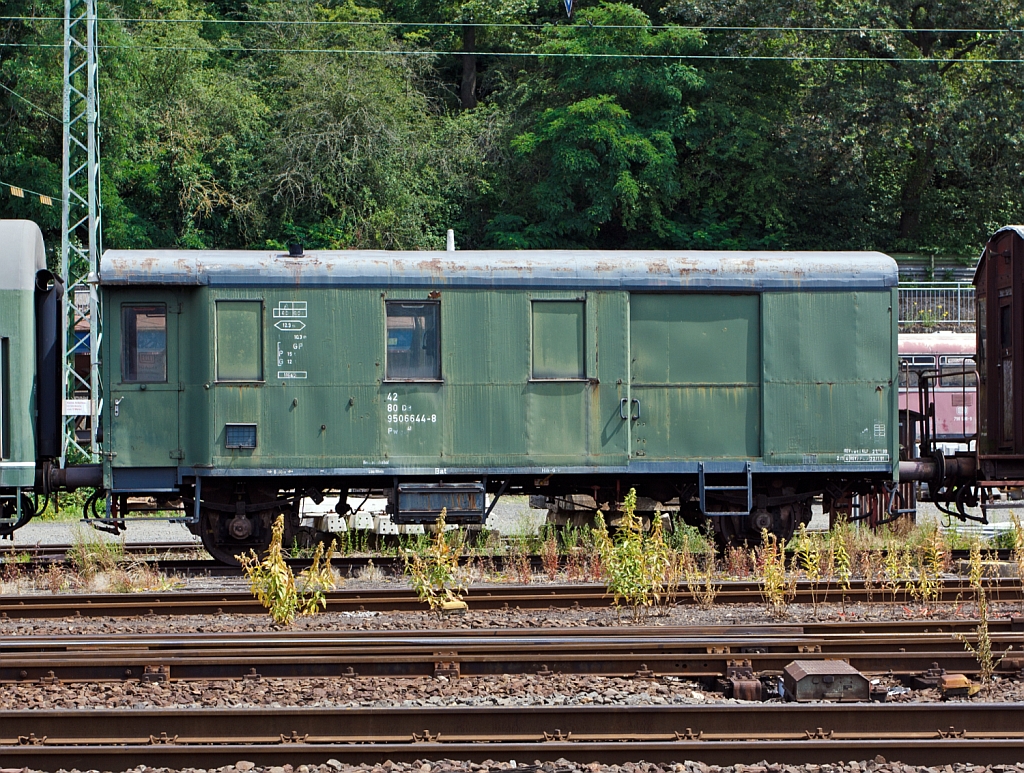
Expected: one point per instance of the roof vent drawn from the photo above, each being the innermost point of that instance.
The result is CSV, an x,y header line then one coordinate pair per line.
x,y
294,249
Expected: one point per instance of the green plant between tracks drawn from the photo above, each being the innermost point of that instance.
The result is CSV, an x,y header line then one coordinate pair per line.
x,y
435,574
274,584
983,651
635,564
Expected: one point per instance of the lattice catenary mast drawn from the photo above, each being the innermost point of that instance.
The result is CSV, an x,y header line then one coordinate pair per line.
x,y
80,227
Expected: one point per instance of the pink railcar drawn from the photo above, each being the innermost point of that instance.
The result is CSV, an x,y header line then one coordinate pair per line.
x,y
949,358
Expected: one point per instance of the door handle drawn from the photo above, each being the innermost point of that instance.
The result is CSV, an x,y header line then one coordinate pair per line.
x,y
623,402
634,400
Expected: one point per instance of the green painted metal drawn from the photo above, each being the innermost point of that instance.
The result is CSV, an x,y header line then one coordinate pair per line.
x,y
239,327
142,419
787,377
829,376
17,388
696,367
558,340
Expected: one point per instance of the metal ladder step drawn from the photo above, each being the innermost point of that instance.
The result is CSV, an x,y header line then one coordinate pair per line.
x,y
703,488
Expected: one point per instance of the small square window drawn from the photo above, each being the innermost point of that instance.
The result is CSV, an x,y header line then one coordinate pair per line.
x,y
239,435
144,344
413,341
239,340
558,351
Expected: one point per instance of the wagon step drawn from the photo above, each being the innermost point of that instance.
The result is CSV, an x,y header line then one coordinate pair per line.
x,y
704,488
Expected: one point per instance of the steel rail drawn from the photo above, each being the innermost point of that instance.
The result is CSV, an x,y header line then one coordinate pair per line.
x,y
1011,624
58,553
919,734
479,597
691,653
348,566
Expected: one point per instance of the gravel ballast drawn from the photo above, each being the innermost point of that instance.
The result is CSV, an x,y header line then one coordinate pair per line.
x,y
500,690
877,765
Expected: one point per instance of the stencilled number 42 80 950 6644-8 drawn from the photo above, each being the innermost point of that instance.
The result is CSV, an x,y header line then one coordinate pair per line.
x,y
403,413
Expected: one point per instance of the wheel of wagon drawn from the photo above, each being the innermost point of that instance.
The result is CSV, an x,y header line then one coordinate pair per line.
x,y
9,512
227,536
235,517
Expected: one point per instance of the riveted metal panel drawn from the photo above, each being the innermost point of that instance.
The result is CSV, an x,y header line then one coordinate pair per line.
x,y
704,422
695,339
237,404
829,374
608,329
695,376
487,424
558,341
557,429
486,365
414,423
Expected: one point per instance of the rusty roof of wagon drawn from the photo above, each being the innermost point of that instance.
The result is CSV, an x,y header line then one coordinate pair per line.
x,y
1017,229
627,269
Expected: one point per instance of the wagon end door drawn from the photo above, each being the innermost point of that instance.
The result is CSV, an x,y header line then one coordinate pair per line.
x,y
144,385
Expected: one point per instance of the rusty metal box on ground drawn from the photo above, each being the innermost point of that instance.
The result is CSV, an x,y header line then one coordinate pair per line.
x,y
828,680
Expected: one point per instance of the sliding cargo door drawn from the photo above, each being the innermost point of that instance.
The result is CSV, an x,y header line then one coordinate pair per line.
x,y
695,376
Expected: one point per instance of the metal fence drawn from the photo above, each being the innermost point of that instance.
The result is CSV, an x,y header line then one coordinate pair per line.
x,y
937,306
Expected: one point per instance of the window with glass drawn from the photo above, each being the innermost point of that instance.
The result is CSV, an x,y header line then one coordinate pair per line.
x,y
239,340
957,371
144,343
558,336
413,341
912,365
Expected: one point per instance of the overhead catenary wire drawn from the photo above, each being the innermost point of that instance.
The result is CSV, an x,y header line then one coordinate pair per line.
x,y
15,190
25,99
692,27
541,54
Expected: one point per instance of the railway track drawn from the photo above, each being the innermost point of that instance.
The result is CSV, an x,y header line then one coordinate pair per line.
x,y
690,652
917,734
480,597
161,556
143,549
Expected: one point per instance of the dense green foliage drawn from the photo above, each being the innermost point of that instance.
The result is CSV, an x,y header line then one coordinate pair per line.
x,y
627,126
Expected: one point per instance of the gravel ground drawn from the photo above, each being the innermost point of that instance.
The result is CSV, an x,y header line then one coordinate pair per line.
x,y
530,690
502,618
512,515
498,690
65,533
876,765
683,614
382,692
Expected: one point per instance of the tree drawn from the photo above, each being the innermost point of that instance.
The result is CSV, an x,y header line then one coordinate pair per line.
x,y
466,25
898,130
600,158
